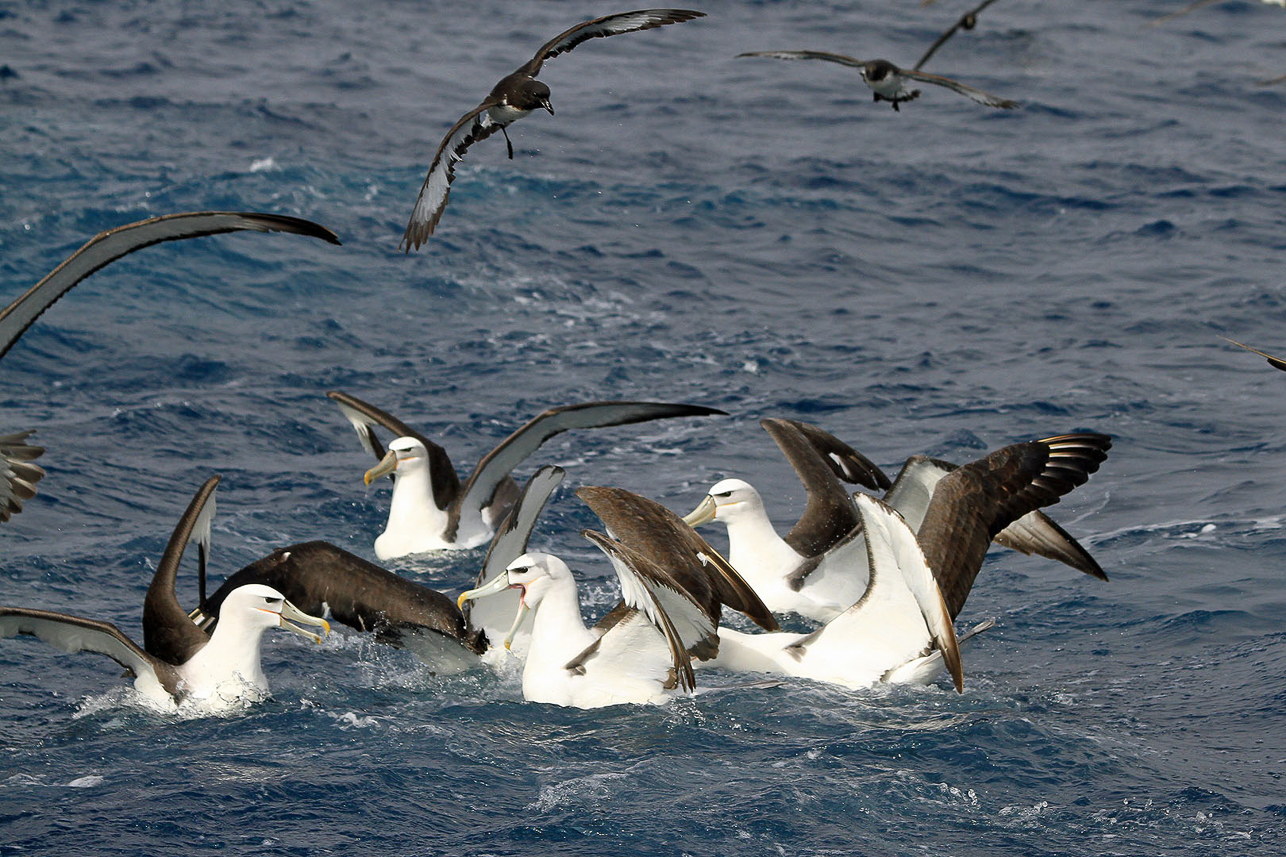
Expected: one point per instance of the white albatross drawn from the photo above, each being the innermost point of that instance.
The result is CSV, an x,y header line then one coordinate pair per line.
x,y
811,571
902,621
673,587
431,509
819,568
180,666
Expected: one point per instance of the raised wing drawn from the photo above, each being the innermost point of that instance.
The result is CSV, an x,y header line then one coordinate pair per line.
x,y
494,615
977,95
967,21
846,463
18,476
646,586
608,25
169,634
76,634
973,503
1275,362
107,247
654,531
830,517
365,416
513,450
808,55
473,126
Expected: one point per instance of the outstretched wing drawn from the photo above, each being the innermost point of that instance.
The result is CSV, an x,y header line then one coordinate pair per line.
x,y
973,503
18,476
513,450
608,25
956,86
168,632
842,59
967,21
76,634
364,416
1275,362
473,126
1033,533
493,615
107,247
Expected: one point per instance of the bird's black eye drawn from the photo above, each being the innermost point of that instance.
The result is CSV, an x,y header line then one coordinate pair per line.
x,y
267,600
723,494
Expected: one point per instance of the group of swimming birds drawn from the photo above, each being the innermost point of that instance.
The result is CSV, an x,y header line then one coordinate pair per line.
x,y
881,578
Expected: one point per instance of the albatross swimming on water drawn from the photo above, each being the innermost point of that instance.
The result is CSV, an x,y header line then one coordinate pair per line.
x,y
904,615
430,509
810,571
515,96
178,663
673,587
17,476
819,568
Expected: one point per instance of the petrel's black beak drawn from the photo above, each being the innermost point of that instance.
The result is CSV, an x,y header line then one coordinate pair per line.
x,y
545,104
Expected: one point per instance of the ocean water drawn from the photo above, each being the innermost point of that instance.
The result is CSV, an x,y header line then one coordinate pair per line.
x,y
748,234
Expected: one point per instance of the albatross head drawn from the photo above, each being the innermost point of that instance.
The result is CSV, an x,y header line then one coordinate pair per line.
x,y
405,455
727,499
259,606
535,574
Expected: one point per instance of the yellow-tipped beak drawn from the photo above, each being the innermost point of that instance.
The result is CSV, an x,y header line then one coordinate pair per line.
x,y
294,614
387,465
701,514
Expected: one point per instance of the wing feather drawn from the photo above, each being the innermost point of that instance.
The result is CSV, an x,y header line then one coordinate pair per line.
x,y
970,92
473,126
608,25
72,634
18,476
842,59
107,247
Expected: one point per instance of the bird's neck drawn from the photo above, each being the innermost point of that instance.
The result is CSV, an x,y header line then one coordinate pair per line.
x,y
412,506
755,549
558,634
228,666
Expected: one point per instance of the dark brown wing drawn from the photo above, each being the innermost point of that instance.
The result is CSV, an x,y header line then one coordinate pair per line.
x,y
967,21
608,25
473,126
316,576
830,517
363,416
106,247
975,502
847,463
168,632
656,532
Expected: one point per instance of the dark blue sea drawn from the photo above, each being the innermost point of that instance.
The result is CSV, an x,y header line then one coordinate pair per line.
x,y
748,234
